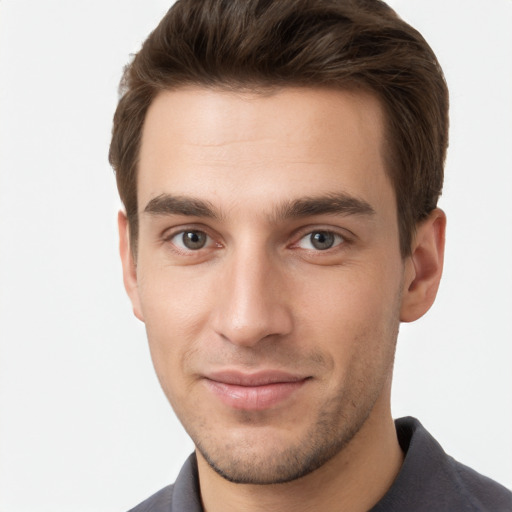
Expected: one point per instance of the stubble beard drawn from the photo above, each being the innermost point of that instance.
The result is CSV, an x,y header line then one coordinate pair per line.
x,y
328,436
337,423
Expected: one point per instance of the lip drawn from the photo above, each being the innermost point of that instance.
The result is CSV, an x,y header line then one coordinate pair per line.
x,y
253,391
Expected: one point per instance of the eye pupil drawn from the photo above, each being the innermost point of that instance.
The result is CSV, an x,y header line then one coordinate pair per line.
x,y
194,239
322,240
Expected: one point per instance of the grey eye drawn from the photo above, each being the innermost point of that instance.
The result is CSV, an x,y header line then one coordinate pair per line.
x,y
322,240
192,240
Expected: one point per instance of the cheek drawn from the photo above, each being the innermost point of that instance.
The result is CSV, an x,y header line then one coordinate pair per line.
x,y
173,299
353,313
175,308
352,294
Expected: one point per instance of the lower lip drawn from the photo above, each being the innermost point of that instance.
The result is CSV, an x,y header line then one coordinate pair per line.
x,y
254,398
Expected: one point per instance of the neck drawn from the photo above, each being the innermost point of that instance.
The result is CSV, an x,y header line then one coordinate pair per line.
x,y
355,479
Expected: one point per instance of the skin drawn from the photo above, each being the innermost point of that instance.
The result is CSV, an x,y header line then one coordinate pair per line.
x,y
237,169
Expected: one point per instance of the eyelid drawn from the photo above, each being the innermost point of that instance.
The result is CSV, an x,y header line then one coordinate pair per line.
x,y
170,233
304,231
341,240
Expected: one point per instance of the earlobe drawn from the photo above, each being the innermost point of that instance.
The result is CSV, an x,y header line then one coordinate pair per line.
x,y
129,266
424,267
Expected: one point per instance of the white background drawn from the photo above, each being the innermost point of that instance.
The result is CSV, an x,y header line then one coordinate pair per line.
x,y
83,423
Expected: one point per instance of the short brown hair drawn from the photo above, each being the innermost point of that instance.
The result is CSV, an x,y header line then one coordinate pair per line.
x,y
254,44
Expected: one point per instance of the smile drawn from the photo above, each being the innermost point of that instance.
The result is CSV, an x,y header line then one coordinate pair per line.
x,y
254,392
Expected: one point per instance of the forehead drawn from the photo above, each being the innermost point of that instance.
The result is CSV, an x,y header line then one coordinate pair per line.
x,y
240,147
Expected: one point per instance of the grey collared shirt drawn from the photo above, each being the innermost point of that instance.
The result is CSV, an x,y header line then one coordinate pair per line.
x,y
429,481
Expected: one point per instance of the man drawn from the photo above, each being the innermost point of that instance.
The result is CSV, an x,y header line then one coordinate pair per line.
x,y
280,164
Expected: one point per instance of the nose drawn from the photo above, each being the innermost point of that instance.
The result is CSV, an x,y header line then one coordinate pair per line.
x,y
252,300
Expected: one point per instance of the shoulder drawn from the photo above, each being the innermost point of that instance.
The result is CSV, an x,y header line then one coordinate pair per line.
x,y
158,502
480,492
432,480
182,496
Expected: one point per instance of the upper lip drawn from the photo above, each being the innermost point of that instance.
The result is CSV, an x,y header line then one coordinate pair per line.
x,y
259,378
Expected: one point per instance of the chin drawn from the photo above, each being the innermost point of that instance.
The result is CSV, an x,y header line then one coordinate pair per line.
x,y
260,456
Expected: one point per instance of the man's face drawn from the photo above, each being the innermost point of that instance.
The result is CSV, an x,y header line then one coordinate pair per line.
x,y
268,272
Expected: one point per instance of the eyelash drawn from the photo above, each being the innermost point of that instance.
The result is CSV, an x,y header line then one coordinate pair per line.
x,y
340,240
168,237
337,239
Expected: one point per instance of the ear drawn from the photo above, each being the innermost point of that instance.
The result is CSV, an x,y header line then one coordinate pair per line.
x,y
129,265
423,268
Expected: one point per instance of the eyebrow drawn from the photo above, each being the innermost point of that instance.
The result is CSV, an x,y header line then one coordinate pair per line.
x,y
336,204
167,204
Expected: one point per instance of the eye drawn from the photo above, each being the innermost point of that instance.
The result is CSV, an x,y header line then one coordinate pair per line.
x,y
320,240
191,240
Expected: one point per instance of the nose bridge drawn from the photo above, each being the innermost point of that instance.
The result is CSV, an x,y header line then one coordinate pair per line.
x,y
251,303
